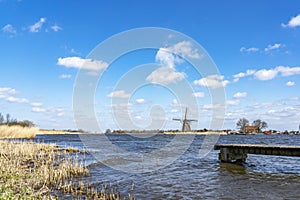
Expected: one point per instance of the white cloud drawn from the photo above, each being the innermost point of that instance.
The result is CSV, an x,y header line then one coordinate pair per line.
x,y
212,81
65,76
60,114
174,111
119,94
17,100
264,74
140,101
198,94
290,83
168,56
56,28
138,117
38,110
232,102
7,90
248,50
272,73
80,63
273,47
242,75
185,50
288,71
37,26
165,75
240,95
294,22
36,104
8,28
268,74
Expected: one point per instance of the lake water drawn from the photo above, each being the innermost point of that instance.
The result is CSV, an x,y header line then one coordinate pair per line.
x,y
192,177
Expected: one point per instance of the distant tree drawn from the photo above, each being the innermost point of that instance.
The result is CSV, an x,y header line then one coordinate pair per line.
x,y
7,118
1,119
242,123
108,131
25,123
261,124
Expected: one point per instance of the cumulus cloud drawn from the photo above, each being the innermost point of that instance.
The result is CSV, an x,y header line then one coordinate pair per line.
x,y
165,75
140,101
242,75
198,94
273,47
232,102
248,50
288,71
174,111
17,100
294,22
36,104
65,76
38,110
212,81
7,90
8,28
56,28
269,74
37,26
80,63
168,57
119,94
265,74
240,95
290,83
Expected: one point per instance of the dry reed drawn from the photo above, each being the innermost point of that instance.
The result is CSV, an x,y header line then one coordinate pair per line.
x,y
17,131
31,170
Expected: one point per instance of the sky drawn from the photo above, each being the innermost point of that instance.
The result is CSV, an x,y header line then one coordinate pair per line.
x,y
255,46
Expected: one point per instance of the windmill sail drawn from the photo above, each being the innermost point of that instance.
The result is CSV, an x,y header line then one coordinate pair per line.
x,y
186,122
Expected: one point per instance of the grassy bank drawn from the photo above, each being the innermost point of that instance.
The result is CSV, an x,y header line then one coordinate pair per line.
x,y
41,171
17,131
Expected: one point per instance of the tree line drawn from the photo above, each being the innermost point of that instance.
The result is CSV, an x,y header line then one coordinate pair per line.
x,y
243,122
8,120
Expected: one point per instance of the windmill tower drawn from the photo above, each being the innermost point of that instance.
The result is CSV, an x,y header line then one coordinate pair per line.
x,y
186,122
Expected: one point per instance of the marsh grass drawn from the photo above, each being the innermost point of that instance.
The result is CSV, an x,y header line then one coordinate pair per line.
x,y
41,171
16,131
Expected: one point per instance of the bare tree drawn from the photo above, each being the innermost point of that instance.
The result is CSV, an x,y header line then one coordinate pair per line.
x,y
260,124
242,123
7,118
1,119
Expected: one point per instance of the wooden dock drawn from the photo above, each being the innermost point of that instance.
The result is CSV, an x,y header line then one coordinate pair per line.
x,y
238,152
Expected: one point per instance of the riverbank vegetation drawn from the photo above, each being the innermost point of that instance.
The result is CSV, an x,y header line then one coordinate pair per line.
x,y
12,128
43,171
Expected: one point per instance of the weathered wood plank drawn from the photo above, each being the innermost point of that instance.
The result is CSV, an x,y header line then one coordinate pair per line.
x,y
230,152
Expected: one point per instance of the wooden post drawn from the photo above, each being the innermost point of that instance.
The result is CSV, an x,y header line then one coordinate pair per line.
x,y
230,155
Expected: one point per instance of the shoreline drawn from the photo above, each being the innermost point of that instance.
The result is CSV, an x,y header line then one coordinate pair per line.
x,y
64,132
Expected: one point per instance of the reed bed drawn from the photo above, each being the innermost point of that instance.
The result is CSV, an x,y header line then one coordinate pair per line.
x,y
17,131
43,171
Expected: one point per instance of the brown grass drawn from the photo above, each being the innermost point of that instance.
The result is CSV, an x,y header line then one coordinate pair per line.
x,y
17,131
41,171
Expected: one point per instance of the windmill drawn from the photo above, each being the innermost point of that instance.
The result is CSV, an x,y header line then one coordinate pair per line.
x,y
186,122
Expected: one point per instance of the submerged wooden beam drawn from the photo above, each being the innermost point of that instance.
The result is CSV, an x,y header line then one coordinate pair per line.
x,y
238,152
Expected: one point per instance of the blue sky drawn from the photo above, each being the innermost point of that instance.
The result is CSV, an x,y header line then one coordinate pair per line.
x,y
254,44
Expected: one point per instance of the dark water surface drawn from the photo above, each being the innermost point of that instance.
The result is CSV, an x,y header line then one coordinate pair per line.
x,y
192,177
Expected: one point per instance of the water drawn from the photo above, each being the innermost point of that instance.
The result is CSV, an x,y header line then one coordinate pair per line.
x,y
191,177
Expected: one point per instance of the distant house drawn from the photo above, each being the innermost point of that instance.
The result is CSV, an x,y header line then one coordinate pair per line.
x,y
251,129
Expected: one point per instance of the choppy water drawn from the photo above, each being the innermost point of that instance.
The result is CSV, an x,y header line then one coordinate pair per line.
x,y
191,177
